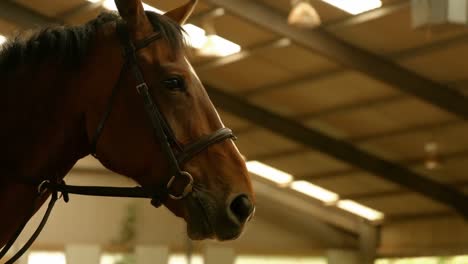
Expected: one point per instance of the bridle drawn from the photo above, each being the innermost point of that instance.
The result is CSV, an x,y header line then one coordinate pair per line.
x,y
163,134
176,153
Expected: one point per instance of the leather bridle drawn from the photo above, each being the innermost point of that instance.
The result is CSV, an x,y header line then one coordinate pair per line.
x,y
176,153
162,131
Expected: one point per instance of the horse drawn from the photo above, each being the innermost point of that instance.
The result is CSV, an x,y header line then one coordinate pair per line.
x,y
120,88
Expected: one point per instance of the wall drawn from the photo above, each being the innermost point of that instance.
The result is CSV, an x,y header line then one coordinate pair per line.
x,y
99,221
438,236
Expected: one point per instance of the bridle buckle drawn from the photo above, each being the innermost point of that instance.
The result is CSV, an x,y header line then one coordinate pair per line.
x,y
41,188
142,86
187,189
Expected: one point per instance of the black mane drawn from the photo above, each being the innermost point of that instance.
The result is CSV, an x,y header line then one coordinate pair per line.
x,y
69,45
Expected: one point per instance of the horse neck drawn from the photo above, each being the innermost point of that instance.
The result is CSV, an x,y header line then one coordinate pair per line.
x,y
45,130
42,134
42,128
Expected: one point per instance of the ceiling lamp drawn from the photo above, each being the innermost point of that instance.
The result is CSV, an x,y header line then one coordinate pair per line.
x,y
303,14
432,160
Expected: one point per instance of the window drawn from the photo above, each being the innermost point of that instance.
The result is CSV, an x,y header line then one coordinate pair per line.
x,y
182,259
425,260
49,257
279,260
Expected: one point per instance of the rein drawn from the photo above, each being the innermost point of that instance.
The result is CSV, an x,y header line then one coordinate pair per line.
x,y
163,134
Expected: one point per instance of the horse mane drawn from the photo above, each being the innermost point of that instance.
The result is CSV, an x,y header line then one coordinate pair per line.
x,y
68,45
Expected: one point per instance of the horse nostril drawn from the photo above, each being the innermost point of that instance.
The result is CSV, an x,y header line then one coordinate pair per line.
x,y
241,207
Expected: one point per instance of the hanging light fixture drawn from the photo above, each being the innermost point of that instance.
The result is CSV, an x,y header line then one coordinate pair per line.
x,y
432,160
303,14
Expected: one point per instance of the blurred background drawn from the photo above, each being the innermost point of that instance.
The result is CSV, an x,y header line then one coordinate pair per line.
x,y
351,115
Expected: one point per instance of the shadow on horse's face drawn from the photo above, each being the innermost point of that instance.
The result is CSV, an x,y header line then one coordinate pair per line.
x,y
222,200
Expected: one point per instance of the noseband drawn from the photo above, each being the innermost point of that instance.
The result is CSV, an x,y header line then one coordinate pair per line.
x,y
176,153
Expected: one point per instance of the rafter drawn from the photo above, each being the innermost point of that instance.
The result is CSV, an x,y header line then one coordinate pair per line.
x,y
397,192
342,150
360,139
460,154
351,56
222,61
280,42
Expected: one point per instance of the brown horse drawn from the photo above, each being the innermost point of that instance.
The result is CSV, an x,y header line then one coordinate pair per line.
x,y
58,84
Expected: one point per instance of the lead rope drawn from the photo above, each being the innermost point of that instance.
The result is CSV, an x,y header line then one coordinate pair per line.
x,y
6,248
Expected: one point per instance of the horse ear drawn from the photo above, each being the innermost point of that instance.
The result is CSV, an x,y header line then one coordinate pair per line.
x,y
133,13
181,14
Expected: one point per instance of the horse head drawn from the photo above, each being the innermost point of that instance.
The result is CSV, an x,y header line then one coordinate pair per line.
x,y
205,182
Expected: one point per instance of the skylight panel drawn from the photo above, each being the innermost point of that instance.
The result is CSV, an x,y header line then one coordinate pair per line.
x,y
110,5
315,191
212,45
361,210
355,7
269,173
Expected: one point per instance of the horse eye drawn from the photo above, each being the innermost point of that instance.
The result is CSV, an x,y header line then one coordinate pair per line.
x,y
174,84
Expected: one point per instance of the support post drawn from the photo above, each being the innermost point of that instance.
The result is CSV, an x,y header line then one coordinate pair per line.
x,y
368,241
146,254
79,254
340,256
366,252
216,255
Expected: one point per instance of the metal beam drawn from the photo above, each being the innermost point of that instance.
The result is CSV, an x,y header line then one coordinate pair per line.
x,y
368,16
395,56
400,55
308,77
398,218
330,46
360,139
332,226
409,163
342,150
346,108
219,62
333,25
397,192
